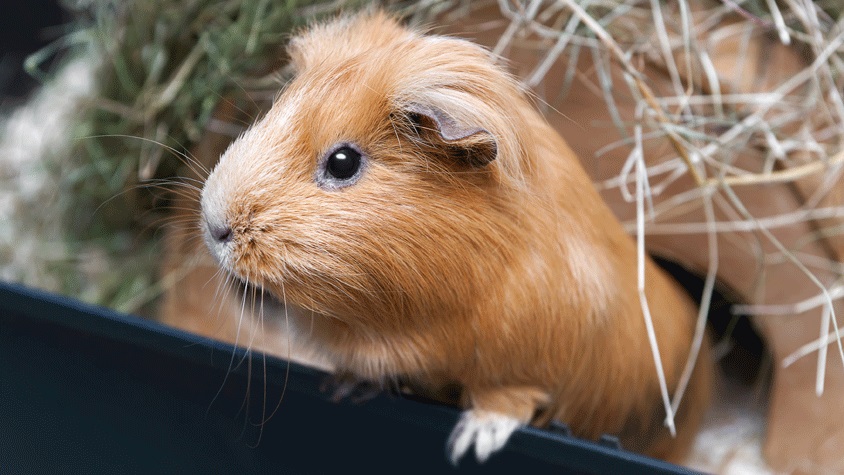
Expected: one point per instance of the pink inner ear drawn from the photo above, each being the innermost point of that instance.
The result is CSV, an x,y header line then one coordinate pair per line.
x,y
447,127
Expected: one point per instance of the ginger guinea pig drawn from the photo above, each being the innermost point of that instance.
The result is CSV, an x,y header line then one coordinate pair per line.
x,y
432,228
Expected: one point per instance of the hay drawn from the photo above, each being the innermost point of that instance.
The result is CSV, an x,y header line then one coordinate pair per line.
x,y
707,127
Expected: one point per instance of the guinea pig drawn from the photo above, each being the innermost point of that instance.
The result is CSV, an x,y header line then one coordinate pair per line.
x,y
428,226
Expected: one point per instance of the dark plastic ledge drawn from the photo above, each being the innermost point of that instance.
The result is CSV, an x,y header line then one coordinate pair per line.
x,y
86,390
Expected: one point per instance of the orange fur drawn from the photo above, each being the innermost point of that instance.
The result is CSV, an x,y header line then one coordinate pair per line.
x,y
510,278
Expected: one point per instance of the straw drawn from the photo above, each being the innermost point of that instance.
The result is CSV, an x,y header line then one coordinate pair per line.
x,y
708,126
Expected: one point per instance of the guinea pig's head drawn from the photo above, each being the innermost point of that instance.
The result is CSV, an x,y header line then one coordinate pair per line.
x,y
377,183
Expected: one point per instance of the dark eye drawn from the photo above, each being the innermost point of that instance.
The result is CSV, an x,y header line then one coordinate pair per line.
x,y
343,163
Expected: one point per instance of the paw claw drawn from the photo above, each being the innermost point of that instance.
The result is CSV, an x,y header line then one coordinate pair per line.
x,y
487,431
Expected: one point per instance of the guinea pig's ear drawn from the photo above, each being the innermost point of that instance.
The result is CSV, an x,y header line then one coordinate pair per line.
x,y
467,142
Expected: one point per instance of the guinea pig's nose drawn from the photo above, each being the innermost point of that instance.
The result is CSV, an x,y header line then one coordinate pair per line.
x,y
221,234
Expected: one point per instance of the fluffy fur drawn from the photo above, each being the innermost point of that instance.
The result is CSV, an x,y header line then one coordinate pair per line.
x,y
484,259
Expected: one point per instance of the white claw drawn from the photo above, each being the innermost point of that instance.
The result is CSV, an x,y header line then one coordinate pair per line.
x,y
487,431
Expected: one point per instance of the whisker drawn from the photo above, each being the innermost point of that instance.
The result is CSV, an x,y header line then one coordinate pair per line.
x,y
191,162
289,350
264,368
234,351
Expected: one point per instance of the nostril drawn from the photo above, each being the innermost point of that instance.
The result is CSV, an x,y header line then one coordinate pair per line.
x,y
221,234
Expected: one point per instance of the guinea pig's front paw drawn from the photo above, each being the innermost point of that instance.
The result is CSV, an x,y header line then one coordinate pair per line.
x,y
345,386
487,431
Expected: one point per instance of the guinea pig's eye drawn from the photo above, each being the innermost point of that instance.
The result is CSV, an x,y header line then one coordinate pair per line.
x,y
343,163
341,166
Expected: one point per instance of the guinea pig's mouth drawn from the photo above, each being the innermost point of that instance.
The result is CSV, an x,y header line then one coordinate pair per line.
x,y
225,253
225,260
